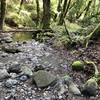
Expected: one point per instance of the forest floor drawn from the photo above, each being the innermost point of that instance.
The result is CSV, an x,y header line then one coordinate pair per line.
x,y
55,60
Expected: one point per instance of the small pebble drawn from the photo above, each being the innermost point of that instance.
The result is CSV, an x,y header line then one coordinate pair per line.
x,y
23,78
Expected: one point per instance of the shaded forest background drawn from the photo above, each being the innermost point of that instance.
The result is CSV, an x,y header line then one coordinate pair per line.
x,y
72,20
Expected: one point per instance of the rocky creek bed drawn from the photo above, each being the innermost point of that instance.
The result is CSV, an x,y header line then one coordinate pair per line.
x,y
30,70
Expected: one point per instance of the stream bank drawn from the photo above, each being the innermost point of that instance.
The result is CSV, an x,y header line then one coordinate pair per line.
x,y
39,56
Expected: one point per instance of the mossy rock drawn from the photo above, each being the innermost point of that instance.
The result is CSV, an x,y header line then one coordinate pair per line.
x,y
90,88
78,65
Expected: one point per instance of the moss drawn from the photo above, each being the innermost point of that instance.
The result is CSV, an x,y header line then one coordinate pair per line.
x,y
77,65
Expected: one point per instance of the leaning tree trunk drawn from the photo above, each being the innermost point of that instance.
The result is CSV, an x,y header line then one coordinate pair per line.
x,y
38,11
46,14
3,10
61,19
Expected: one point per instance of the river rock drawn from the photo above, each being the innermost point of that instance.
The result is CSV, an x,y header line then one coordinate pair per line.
x,y
4,74
43,78
23,78
73,89
13,75
7,39
67,79
38,67
27,71
10,83
47,98
16,68
90,88
10,49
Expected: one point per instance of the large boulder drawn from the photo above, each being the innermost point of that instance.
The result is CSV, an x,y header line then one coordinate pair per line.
x,y
43,78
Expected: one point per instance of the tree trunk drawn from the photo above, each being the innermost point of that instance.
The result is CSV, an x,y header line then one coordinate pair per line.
x,y
59,5
46,14
3,10
61,19
68,5
59,9
38,11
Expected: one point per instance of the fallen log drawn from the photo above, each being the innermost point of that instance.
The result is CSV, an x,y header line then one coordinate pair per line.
x,y
27,30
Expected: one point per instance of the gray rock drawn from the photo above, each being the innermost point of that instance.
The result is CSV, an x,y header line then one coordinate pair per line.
x,y
43,78
61,87
13,75
8,97
46,98
23,78
1,65
73,89
26,70
10,49
8,40
14,68
4,74
71,86
67,79
38,67
10,83
63,90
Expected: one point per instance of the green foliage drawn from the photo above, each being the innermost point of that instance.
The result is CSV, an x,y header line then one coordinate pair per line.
x,y
30,7
75,32
22,19
72,27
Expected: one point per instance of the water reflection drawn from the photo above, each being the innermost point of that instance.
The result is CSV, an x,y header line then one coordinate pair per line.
x,y
21,36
